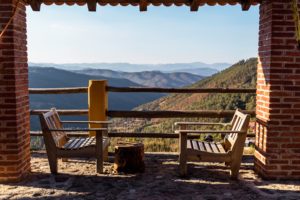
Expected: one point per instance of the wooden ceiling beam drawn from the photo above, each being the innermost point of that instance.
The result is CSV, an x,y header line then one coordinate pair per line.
x,y
246,4
194,5
92,5
35,5
143,5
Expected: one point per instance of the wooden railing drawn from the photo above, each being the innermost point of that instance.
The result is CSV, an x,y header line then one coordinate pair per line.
x,y
143,114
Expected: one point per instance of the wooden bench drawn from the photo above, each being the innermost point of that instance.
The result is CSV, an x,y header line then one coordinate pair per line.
x,y
59,145
229,151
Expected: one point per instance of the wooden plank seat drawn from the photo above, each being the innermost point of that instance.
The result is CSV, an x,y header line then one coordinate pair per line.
x,y
229,151
209,147
79,143
59,145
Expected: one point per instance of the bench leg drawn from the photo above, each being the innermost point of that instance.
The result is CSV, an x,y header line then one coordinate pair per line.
x,y
182,165
234,169
183,154
52,163
99,152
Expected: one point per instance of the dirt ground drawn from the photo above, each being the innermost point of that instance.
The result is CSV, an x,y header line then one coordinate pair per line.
x,y
77,180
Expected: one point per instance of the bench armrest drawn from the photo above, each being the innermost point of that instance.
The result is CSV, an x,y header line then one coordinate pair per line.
x,y
206,131
201,123
79,130
87,122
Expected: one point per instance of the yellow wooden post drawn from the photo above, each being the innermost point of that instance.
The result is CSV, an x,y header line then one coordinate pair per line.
x,y
98,102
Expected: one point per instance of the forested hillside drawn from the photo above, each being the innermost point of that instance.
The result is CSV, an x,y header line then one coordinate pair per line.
x,y
240,75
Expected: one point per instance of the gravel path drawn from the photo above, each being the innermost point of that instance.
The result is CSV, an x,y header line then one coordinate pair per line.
x,y
77,180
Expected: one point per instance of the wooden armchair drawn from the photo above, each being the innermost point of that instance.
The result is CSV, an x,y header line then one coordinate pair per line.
x,y
230,151
59,145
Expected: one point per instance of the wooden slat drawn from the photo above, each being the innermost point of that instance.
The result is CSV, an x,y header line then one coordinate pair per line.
x,y
207,147
220,147
84,143
88,141
201,146
73,145
189,144
195,145
179,90
91,141
79,143
214,147
69,143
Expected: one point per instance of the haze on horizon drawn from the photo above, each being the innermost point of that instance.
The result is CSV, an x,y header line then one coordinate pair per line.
x,y
63,34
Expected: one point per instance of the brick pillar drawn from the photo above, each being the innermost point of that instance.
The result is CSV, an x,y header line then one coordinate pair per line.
x,y
277,154
14,98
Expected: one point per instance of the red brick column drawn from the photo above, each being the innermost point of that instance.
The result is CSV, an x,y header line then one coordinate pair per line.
x,y
14,99
278,93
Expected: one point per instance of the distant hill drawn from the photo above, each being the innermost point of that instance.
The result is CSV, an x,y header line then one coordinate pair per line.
x,y
147,78
127,67
240,75
55,78
199,71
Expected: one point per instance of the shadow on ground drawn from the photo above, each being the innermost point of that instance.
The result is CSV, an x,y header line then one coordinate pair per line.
x,y
77,180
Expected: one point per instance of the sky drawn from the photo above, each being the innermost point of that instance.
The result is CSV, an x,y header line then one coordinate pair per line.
x,y
64,34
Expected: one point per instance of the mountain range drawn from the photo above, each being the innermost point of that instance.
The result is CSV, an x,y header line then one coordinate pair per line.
x,y
198,68
147,78
240,75
49,77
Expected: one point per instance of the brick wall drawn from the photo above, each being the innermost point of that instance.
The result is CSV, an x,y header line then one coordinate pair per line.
x,y
278,93
14,101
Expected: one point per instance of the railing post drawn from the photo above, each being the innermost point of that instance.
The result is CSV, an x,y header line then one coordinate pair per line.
x,y
97,102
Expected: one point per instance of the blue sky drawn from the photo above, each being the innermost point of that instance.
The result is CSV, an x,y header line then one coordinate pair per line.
x,y
63,34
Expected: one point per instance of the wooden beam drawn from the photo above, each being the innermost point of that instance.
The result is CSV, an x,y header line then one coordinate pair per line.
x,y
179,90
194,5
35,5
73,90
78,112
246,4
143,5
152,114
92,5
174,114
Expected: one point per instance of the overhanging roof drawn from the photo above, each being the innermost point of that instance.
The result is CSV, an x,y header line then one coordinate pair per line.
x,y
92,4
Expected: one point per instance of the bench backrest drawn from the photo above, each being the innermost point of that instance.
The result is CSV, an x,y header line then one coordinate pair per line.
x,y
240,122
51,120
